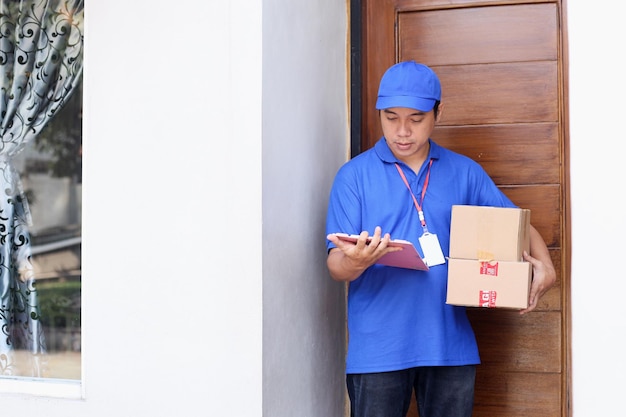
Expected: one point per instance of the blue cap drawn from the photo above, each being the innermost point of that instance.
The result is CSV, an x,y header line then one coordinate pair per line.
x,y
409,84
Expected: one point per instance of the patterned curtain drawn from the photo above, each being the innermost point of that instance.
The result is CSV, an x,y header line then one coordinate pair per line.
x,y
41,62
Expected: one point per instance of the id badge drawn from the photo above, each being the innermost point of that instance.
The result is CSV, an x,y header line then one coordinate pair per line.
x,y
432,249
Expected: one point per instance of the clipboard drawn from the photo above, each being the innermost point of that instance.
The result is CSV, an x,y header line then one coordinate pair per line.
x,y
407,258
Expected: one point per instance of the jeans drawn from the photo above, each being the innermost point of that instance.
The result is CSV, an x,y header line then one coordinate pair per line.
x,y
441,391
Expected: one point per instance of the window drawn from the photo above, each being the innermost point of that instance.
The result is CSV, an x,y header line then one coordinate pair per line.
x,y
50,168
41,48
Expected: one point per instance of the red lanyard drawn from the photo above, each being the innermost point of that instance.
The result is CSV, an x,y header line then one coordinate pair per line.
x,y
417,205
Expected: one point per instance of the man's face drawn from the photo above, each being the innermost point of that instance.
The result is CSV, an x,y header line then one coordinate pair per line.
x,y
407,132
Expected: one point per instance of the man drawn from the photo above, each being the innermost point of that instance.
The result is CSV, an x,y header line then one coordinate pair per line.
x,y
403,337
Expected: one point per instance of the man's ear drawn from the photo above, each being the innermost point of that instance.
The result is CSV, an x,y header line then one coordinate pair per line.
x,y
439,111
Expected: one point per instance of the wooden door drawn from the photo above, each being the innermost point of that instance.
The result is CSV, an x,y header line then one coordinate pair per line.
x,y
501,69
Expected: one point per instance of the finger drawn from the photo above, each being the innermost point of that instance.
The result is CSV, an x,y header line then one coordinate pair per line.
x,y
529,258
532,303
333,238
361,242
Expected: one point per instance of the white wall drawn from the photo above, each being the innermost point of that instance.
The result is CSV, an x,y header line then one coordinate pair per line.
x,y
305,140
597,92
172,200
217,130
212,130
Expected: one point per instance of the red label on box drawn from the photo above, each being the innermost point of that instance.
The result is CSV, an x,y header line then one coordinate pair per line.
x,y
489,268
487,299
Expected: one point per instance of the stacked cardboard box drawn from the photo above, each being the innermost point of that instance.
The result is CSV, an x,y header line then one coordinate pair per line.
x,y
486,266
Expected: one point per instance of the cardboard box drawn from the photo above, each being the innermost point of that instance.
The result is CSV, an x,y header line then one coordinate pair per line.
x,y
476,283
486,267
490,233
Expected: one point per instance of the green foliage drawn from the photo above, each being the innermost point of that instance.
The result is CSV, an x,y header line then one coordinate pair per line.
x,y
59,300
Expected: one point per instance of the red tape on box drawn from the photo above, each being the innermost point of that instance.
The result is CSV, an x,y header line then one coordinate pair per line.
x,y
489,268
487,299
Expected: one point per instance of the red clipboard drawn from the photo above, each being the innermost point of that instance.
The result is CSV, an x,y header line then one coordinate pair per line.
x,y
408,257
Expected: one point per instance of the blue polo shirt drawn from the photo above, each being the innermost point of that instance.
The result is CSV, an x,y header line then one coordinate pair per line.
x,y
398,318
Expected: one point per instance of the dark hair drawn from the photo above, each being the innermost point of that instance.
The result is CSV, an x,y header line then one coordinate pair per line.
x,y
435,108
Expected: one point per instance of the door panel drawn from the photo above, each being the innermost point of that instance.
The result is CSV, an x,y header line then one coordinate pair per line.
x,y
507,394
498,93
500,65
543,202
511,33
537,350
484,144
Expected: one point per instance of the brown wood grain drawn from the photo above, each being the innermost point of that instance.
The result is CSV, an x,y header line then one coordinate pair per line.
x,y
544,203
520,92
508,33
518,343
378,54
404,5
501,393
504,151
